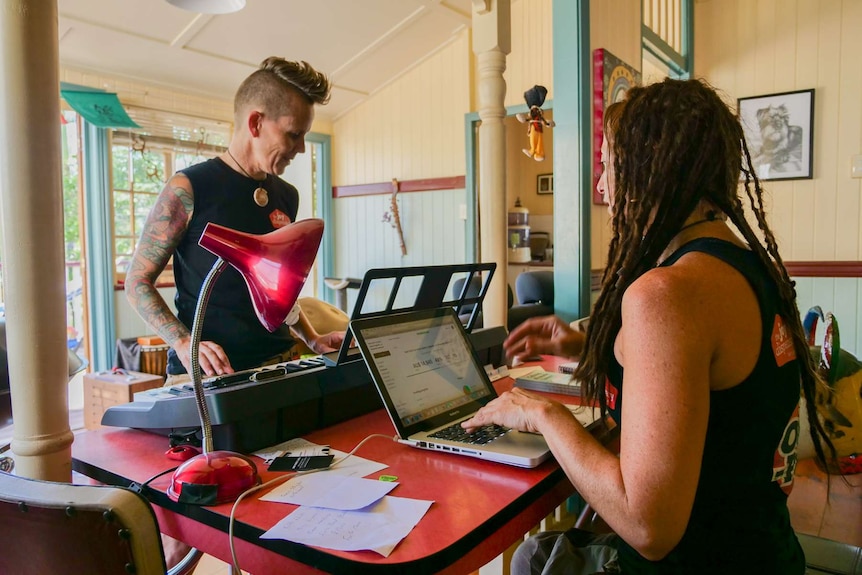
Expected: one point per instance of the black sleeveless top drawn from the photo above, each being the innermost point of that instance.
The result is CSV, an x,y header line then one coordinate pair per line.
x,y
224,197
740,522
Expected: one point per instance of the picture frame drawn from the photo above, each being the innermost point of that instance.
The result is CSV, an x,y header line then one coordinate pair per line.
x,y
545,184
779,132
611,80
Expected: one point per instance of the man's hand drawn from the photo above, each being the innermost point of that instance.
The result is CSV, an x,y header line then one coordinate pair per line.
x,y
211,356
327,343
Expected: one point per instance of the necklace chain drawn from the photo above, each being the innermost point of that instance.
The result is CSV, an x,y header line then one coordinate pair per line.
x,y
235,161
260,195
672,245
697,222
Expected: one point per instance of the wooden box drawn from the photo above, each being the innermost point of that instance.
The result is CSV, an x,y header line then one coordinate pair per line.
x,y
104,389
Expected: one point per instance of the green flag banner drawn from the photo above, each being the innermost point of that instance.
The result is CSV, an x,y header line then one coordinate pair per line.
x,y
102,109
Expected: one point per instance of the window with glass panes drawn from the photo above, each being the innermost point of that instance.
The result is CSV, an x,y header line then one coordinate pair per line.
x,y
143,160
139,172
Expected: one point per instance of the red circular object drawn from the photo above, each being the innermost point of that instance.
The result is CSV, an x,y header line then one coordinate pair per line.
x,y
213,478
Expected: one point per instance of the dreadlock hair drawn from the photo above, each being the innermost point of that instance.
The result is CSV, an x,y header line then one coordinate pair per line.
x,y
266,86
674,144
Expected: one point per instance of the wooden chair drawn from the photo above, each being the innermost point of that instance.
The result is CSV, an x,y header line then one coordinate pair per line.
x,y
48,527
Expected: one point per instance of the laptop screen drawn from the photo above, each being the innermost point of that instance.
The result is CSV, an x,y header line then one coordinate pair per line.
x,y
425,365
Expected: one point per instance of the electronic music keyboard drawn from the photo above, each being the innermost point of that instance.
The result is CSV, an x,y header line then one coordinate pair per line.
x,y
260,407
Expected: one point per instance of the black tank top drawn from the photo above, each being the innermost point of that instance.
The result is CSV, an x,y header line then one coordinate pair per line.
x,y
740,522
224,197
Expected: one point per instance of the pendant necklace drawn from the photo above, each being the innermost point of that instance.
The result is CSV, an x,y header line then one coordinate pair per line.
x,y
261,196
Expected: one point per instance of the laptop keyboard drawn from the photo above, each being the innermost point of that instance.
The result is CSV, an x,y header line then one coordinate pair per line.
x,y
480,436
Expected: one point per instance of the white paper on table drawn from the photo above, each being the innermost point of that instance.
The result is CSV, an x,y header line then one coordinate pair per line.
x,y
330,491
354,466
377,528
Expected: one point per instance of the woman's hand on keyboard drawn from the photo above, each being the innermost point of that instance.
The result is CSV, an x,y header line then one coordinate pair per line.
x,y
516,409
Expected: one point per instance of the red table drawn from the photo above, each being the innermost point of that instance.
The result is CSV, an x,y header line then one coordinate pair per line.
x,y
480,508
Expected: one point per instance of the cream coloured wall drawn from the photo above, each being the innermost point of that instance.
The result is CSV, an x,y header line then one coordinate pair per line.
x,y
756,47
530,62
615,25
412,128
768,47
421,133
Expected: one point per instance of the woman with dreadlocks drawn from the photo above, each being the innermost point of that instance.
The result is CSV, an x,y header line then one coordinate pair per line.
x,y
695,348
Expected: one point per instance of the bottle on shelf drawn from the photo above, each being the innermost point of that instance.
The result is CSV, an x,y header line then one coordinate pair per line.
x,y
519,233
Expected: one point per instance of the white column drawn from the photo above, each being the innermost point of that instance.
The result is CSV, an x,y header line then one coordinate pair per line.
x,y
31,203
491,44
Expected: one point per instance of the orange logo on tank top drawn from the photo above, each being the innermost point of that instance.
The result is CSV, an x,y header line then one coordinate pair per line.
x,y
278,218
782,343
611,394
785,458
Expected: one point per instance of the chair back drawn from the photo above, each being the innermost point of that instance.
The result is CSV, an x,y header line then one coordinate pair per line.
x,y
535,286
48,527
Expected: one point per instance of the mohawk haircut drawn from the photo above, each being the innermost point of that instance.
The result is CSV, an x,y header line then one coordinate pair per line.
x,y
266,86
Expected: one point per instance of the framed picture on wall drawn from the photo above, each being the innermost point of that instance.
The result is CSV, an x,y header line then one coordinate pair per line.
x,y
779,130
611,80
545,184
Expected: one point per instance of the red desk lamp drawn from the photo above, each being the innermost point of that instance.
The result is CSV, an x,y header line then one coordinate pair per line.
x,y
275,266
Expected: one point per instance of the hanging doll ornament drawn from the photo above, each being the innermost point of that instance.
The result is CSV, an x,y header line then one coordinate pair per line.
x,y
536,122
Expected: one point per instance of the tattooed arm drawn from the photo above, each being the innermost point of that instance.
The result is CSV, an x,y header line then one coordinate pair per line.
x,y
165,227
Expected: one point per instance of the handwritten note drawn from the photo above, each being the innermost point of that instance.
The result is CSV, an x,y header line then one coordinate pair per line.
x,y
377,528
330,491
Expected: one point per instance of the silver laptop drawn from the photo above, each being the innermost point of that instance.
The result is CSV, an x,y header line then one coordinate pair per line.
x,y
423,366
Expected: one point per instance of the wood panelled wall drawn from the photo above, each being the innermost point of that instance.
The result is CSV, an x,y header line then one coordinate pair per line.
x,y
757,47
434,234
411,129
531,60
414,129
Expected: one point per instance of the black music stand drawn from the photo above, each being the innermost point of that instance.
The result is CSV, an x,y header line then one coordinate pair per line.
x,y
432,292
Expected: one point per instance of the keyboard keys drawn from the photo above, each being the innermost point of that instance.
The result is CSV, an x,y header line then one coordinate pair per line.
x,y
480,436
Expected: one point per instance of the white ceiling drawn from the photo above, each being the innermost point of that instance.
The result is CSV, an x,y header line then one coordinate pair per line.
x,y
360,44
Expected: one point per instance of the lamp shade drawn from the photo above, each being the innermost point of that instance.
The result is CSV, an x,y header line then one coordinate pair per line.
x,y
274,265
209,6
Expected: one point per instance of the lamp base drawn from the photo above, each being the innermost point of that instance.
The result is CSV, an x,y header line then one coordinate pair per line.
x,y
213,478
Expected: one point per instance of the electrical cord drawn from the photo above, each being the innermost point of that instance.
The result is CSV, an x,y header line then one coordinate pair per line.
x,y
280,479
139,487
